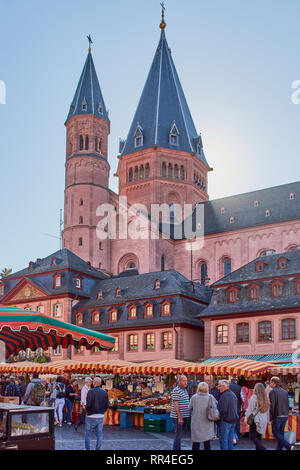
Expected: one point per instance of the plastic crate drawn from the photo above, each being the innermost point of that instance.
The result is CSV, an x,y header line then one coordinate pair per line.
x,y
152,417
126,420
139,408
155,426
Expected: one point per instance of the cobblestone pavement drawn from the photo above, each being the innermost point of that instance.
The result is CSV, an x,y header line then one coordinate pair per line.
x,y
115,438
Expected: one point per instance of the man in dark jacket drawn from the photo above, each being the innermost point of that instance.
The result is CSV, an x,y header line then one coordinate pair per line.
x,y
237,390
227,406
279,411
12,389
96,406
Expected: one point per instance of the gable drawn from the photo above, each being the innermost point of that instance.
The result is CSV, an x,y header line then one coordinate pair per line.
x,y
24,290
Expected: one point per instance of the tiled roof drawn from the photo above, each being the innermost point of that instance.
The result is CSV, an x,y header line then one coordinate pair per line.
x,y
88,93
162,105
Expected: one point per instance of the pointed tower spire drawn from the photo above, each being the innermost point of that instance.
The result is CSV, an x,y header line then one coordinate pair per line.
x,y
162,104
163,24
88,98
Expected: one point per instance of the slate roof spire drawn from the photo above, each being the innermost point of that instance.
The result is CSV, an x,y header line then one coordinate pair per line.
x,y
88,98
162,105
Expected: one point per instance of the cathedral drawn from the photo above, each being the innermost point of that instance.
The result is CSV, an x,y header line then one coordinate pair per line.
x,y
159,294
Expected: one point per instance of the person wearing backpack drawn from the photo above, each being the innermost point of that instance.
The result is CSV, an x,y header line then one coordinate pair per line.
x,y
203,408
35,393
12,389
59,395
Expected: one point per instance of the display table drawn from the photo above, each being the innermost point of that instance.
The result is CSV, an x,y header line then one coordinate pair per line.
x,y
111,417
293,424
131,418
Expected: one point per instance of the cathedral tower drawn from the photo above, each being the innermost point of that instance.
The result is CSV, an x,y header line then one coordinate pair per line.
x,y
87,169
162,159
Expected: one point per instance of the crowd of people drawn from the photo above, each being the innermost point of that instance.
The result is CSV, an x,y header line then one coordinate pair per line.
x,y
217,410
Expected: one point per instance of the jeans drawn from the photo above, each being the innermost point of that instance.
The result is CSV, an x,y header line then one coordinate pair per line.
x,y
226,434
59,406
238,425
278,425
178,432
93,425
256,437
196,445
69,404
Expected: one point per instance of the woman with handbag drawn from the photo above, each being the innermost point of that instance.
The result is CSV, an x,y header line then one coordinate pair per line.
x,y
203,408
257,415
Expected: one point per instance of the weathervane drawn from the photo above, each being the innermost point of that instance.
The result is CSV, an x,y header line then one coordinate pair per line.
x,y
90,42
163,24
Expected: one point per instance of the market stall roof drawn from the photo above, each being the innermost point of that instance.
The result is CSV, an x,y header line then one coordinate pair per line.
x,y
22,329
285,369
68,365
236,367
167,367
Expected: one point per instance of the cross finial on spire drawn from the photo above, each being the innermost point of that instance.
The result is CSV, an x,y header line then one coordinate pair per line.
x,y
162,24
90,42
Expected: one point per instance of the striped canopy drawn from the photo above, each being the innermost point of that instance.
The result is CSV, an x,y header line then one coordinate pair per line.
x,y
22,329
236,367
285,369
166,367
68,365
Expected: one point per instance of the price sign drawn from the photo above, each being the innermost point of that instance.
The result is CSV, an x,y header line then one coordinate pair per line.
x,y
159,387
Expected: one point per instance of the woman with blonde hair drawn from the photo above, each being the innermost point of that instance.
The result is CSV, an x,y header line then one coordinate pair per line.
x,y
258,413
202,428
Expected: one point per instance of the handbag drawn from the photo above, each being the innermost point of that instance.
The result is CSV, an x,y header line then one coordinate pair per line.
x,y
212,412
290,436
250,419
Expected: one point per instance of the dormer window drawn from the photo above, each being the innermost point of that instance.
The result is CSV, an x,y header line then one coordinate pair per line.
x,y
259,266
254,292
100,108
132,312
298,286
282,263
232,295
100,294
268,212
222,210
231,220
78,283
84,105
113,316
118,292
157,284
1,289
138,137
95,317
174,135
148,311
277,288
256,203
57,281
79,319
166,309
292,196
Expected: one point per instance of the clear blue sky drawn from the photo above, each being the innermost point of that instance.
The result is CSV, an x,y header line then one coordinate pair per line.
x,y
236,61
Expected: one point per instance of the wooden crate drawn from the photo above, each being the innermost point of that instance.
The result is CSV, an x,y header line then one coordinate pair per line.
x,y
14,400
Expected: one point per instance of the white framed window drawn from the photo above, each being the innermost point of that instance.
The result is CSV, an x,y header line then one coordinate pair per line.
x,y
84,105
57,310
78,283
58,281
138,137
174,135
41,309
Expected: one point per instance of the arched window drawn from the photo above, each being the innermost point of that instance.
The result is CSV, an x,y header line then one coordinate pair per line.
x,y
227,266
80,242
170,171
147,172
138,137
148,311
166,309
113,316
149,341
80,220
81,202
203,273
163,169
174,135
288,328
171,211
182,172
95,317
265,331
232,294
277,288
136,173
132,312
157,284
86,142
100,145
242,333
57,310
162,268
253,292
130,175
141,172
81,143
79,319
176,171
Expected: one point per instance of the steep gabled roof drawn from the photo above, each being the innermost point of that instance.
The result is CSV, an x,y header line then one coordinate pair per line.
x,y
88,93
162,105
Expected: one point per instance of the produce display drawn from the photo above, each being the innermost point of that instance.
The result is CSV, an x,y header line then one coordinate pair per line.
x,y
155,403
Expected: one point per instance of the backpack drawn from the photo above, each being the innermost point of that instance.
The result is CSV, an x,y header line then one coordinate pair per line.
x,y
38,393
11,390
60,390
